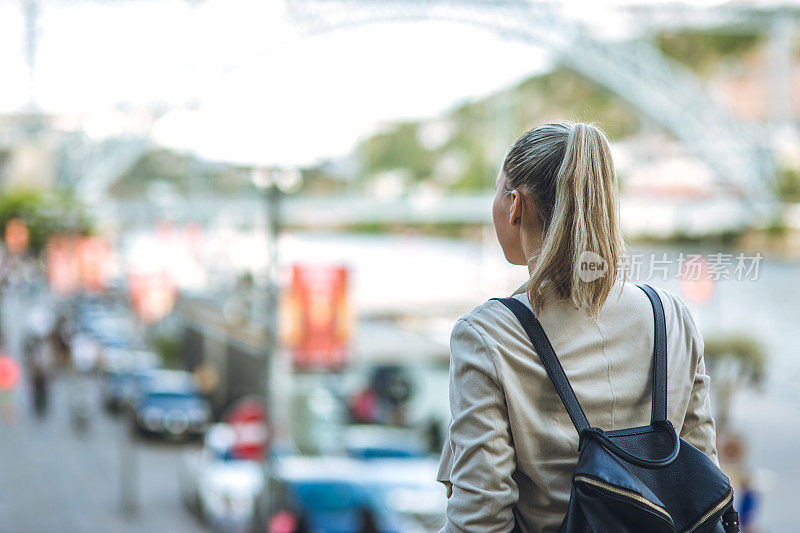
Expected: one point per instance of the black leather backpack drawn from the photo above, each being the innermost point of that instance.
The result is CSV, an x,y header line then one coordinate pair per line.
x,y
642,479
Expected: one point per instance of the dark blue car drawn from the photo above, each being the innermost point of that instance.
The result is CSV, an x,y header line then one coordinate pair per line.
x,y
168,404
120,388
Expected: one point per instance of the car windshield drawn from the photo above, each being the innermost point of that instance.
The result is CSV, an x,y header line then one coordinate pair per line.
x,y
170,397
385,453
331,496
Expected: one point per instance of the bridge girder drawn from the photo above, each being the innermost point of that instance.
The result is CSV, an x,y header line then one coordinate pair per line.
x,y
660,88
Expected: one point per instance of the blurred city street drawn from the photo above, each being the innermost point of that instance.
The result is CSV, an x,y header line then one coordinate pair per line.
x,y
54,479
235,238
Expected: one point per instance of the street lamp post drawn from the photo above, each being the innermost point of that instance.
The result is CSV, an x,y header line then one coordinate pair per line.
x,y
273,184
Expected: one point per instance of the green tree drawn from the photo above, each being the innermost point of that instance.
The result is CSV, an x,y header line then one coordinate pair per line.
x,y
787,184
702,51
44,213
398,147
734,361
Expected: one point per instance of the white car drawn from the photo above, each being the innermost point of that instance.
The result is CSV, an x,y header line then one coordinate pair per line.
x,y
220,488
408,487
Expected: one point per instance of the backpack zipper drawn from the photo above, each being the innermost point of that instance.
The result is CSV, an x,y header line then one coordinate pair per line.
x,y
628,494
714,510
641,499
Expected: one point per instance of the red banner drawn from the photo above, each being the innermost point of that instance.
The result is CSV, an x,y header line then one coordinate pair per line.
x,y
77,263
94,259
62,270
153,295
317,325
17,236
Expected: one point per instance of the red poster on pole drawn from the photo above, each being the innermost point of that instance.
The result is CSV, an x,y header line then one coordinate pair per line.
x,y
17,236
75,263
318,316
62,269
153,295
94,257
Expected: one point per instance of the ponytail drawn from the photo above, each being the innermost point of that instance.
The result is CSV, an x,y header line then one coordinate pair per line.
x,y
569,172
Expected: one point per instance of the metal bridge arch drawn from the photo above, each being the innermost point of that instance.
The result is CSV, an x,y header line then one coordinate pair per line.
x,y
660,88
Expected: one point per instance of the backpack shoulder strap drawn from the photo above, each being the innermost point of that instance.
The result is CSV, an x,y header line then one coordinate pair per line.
x,y
551,363
659,409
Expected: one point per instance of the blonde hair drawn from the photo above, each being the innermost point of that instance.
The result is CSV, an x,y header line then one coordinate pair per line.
x,y
567,170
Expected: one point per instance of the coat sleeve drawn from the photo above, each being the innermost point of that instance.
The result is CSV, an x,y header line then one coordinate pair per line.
x,y
699,427
446,464
483,458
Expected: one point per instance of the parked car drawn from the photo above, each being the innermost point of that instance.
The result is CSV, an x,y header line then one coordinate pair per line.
x,y
400,471
125,370
220,488
409,488
327,495
120,388
111,327
412,395
383,442
120,359
167,403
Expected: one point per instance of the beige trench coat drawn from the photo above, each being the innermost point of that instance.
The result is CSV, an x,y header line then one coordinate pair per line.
x,y
510,447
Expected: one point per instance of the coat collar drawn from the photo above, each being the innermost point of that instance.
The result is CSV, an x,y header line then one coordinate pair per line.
x,y
522,288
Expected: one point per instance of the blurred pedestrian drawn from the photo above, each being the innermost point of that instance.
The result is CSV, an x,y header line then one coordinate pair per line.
x,y
40,362
39,387
9,377
434,435
367,520
364,407
748,505
84,352
393,388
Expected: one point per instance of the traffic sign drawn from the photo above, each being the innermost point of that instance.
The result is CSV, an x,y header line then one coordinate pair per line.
x,y
248,419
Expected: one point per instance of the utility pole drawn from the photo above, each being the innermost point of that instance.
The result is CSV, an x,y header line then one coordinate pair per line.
x,y
30,12
273,184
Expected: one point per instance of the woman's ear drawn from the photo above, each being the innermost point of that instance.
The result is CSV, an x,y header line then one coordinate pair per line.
x,y
515,212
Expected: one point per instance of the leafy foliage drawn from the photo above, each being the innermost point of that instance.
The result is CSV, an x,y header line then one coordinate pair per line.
x,y
480,130
702,51
740,350
183,173
44,213
787,185
169,348
398,148
734,361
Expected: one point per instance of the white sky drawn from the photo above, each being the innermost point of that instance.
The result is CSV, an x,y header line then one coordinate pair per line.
x,y
281,99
